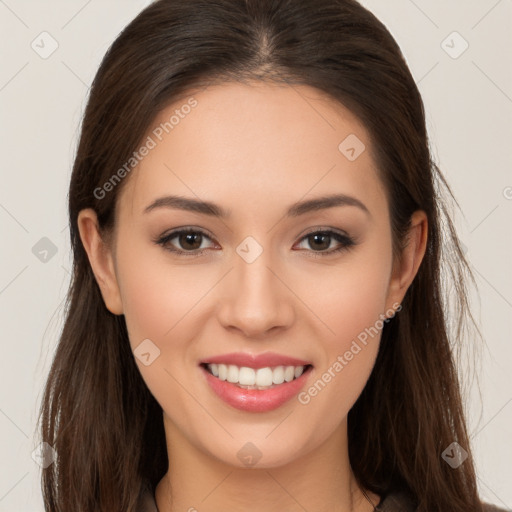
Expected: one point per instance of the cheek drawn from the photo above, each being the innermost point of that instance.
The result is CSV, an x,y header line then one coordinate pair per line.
x,y
156,296
356,305
146,302
348,355
349,298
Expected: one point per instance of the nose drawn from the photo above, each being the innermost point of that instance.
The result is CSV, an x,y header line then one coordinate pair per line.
x,y
256,299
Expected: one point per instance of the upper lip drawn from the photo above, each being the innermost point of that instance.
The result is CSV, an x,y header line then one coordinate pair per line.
x,y
267,359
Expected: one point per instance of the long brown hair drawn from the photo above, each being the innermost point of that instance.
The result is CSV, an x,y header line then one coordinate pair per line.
x,y
97,413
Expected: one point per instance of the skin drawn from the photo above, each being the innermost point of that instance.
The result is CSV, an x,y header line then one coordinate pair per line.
x,y
255,149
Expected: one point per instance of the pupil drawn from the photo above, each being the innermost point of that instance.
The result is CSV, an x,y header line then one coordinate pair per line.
x,y
315,237
189,240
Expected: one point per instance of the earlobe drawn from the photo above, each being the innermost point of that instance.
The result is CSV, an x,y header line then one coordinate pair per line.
x,y
101,260
406,267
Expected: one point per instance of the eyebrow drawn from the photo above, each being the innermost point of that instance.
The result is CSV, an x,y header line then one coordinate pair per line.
x,y
296,209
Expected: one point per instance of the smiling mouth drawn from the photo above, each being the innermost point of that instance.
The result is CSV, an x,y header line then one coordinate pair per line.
x,y
252,378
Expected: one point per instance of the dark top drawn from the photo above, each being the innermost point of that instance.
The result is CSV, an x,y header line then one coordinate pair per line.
x,y
394,502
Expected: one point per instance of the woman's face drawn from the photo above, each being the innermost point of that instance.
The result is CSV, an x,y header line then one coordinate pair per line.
x,y
265,278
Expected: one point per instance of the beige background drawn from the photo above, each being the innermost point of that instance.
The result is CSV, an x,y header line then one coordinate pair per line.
x,y
468,98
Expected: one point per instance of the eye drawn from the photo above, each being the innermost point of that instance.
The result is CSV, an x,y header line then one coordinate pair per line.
x,y
321,240
190,242
189,239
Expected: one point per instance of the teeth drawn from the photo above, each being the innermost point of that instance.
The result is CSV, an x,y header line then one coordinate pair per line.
x,y
289,373
223,371
278,375
233,374
263,377
249,378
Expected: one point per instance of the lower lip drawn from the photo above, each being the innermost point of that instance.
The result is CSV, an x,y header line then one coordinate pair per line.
x,y
255,400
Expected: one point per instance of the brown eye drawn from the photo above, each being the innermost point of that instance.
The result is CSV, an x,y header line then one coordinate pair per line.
x,y
188,242
320,241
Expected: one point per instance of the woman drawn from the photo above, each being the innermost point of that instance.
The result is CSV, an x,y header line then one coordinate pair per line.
x,y
256,319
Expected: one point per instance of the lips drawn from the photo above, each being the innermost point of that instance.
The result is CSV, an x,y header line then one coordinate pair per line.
x,y
261,399
267,359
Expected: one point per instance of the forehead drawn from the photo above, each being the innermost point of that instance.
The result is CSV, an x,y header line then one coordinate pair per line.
x,y
262,142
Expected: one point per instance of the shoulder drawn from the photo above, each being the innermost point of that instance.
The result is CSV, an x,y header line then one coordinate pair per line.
x,y
403,502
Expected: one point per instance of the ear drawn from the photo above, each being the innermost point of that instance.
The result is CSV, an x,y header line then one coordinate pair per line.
x,y
101,260
406,267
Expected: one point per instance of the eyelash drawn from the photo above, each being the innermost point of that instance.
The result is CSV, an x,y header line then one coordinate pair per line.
x,y
346,242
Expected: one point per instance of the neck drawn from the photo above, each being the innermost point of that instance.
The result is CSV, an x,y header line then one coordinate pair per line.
x,y
320,481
